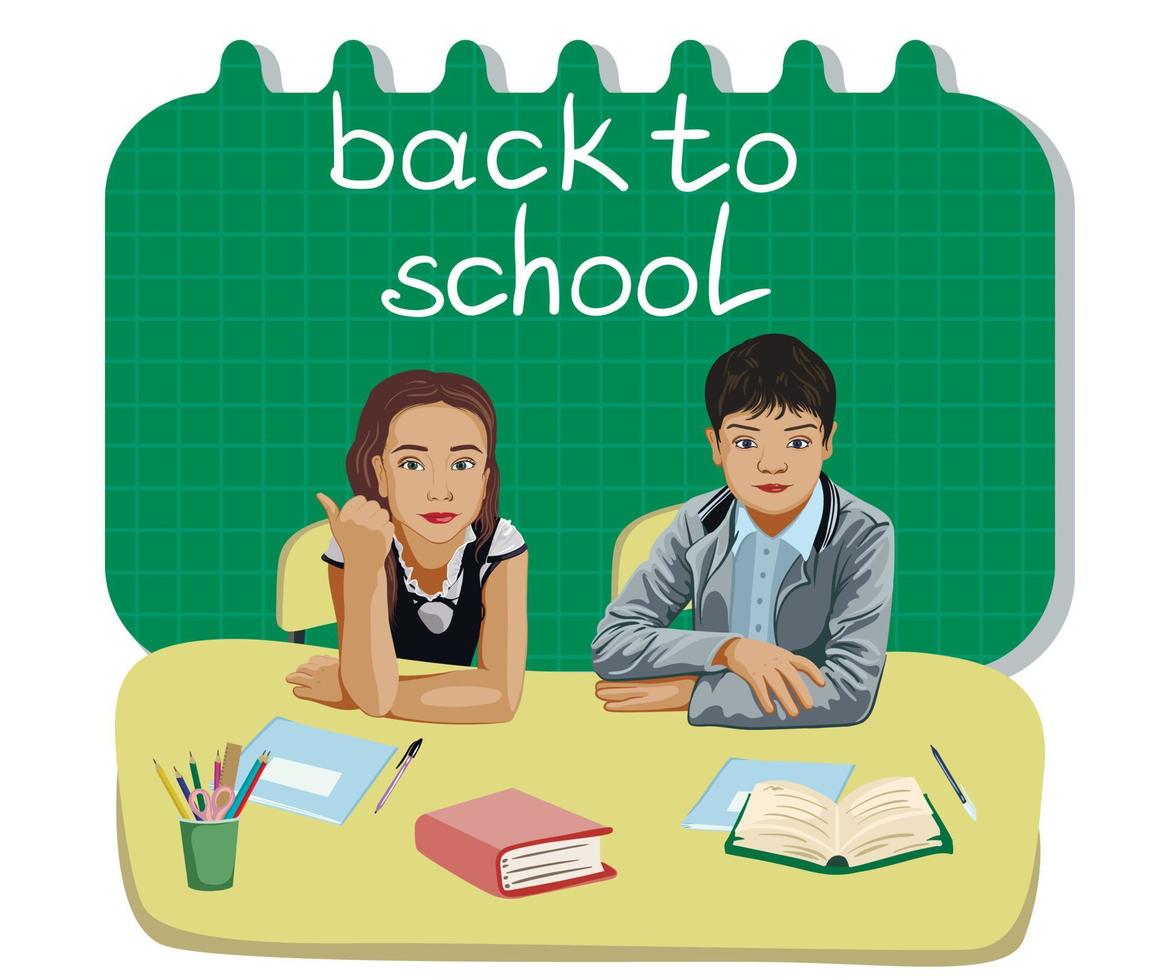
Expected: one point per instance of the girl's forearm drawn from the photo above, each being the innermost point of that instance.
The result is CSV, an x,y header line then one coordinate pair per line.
x,y
368,670
478,696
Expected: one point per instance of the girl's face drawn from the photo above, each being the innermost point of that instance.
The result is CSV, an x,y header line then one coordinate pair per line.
x,y
433,470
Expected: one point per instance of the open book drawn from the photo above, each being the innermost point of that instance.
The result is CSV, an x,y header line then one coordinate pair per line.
x,y
881,823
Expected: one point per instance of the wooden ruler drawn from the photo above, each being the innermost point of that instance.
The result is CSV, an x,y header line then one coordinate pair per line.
x,y
230,765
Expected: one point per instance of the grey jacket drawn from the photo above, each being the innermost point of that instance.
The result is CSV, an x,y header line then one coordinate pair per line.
x,y
833,607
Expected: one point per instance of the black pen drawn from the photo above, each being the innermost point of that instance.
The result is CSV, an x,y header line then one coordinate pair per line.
x,y
412,751
959,791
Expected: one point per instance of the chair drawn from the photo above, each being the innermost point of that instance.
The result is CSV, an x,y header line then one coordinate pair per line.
x,y
634,543
303,591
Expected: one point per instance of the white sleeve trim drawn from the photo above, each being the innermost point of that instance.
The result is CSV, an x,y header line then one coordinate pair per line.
x,y
505,540
333,554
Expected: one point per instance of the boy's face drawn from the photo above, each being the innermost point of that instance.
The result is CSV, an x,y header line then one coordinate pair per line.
x,y
771,461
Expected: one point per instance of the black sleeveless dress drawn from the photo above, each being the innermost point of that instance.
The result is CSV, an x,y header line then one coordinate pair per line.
x,y
416,628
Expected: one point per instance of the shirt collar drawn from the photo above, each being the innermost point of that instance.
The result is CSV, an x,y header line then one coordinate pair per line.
x,y
799,534
454,567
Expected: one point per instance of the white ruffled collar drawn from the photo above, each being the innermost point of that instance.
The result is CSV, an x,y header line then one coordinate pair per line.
x,y
453,580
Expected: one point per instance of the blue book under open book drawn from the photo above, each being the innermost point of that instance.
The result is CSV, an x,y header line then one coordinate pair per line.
x,y
313,771
719,805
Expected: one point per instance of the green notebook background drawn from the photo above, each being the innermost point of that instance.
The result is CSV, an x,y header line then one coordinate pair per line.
x,y
944,846
914,250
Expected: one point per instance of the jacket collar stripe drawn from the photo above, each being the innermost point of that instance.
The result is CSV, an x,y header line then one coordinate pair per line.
x,y
829,522
715,509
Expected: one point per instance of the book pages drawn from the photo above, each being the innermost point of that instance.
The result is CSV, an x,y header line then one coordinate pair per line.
x,y
789,819
883,819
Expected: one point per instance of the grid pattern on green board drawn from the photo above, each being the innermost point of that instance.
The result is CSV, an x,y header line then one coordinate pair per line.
x,y
913,249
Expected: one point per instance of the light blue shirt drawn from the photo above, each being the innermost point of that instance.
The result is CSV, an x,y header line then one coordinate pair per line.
x,y
761,562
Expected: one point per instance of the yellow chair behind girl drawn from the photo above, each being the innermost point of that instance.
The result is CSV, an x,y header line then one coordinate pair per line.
x,y
303,591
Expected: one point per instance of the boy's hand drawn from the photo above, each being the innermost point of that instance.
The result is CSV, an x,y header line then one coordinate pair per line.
x,y
769,669
318,680
664,694
363,530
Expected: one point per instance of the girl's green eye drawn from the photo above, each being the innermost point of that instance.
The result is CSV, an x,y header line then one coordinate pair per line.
x,y
463,464
411,464
799,443
744,443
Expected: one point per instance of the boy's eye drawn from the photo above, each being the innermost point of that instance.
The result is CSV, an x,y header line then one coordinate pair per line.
x,y
745,443
799,443
410,464
463,464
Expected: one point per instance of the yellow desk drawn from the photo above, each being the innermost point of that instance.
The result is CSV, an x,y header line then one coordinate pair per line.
x,y
307,888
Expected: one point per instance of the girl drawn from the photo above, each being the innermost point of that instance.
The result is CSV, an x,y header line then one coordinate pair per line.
x,y
418,555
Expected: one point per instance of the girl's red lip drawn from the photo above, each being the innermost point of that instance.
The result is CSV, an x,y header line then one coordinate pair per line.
x,y
438,517
773,487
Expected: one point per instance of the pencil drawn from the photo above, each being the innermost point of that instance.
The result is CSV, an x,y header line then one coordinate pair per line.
x,y
184,789
217,771
182,808
193,772
248,785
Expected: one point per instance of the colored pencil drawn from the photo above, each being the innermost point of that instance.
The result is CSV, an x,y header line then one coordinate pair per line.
x,y
184,789
217,771
193,772
248,785
182,807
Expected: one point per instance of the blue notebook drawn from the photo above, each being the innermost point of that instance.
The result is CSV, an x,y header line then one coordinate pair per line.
x,y
719,805
313,771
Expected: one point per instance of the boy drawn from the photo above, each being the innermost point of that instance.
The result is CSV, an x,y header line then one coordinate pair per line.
x,y
790,577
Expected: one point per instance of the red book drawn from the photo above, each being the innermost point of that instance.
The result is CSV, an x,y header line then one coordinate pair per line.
x,y
511,844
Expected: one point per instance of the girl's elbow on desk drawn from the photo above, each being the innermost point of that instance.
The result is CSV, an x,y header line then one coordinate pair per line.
x,y
378,703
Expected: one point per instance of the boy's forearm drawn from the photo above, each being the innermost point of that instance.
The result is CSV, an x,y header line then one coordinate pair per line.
x,y
638,651
846,698
368,670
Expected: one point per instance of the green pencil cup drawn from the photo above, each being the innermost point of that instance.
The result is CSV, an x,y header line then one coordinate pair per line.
x,y
210,848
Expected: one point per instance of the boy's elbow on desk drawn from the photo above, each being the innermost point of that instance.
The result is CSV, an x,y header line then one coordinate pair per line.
x,y
603,658
616,655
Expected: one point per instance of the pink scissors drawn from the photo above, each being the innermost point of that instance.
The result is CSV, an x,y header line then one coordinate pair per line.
x,y
211,806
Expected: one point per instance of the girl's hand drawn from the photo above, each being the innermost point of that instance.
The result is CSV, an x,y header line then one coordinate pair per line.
x,y
363,530
317,680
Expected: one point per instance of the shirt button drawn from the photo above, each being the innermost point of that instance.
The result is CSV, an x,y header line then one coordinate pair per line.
x,y
766,551
758,627
763,574
760,601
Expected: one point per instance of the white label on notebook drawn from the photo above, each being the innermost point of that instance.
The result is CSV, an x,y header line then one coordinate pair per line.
x,y
299,775
739,799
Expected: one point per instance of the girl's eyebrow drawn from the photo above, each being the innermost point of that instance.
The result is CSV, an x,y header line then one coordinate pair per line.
x,y
456,449
399,449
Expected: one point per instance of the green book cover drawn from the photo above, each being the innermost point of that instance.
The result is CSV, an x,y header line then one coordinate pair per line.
x,y
940,844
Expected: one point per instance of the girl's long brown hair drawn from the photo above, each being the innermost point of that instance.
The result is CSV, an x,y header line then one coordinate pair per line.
x,y
405,390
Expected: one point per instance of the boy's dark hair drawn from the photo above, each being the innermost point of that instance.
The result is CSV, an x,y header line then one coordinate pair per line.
x,y
773,371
